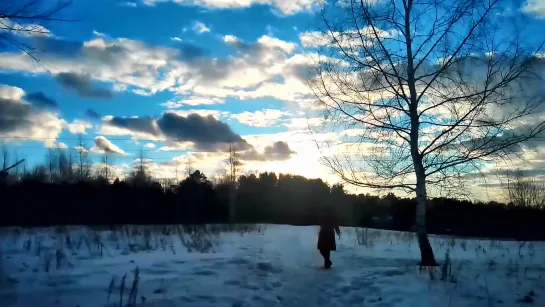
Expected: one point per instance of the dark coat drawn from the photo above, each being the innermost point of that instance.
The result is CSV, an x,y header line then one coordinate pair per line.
x,y
326,237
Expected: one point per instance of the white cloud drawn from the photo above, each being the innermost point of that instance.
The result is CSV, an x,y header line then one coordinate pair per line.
x,y
96,33
192,101
23,29
275,42
59,145
536,7
230,38
78,126
263,68
81,149
267,117
114,171
314,39
123,61
306,161
128,4
21,120
11,92
150,145
142,92
298,123
178,146
286,7
103,145
202,112
345,39
200,27
176,38
353,132
119,87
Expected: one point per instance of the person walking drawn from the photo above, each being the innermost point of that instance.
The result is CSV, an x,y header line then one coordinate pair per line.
x,y
326,237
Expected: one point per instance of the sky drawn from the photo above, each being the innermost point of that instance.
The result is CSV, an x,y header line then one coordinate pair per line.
x,y
173,80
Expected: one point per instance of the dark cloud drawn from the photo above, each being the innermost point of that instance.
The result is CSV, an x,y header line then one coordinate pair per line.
x,y
135,124
108,54
20,118
190,52
57,46
248,48
92,114
278,151
256,49
255,53
14,115
303,71
205,131
215,69
39,100
103,57
82,84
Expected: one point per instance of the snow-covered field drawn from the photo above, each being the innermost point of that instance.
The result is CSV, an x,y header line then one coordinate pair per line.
x,y
271,266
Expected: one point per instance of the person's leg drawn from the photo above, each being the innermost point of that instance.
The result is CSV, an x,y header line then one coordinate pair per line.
x,y
327,255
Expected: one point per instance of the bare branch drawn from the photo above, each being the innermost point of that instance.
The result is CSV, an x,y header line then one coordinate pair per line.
x,y
23,20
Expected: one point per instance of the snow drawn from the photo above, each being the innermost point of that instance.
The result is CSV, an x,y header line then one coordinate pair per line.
x,y
274,265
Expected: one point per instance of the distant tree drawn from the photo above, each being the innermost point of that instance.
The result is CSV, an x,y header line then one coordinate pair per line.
x,y
39,174
221,175
52,164
65,173
84,165
6,167
188,168
139,175
233,164
525,191
70,165
104,170
338,190
197,195
16,168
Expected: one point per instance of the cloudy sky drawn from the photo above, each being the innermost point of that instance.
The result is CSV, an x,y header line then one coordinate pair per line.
x,y
171,78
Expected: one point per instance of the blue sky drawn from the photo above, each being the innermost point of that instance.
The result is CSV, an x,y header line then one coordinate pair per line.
x,y
85,69
127,75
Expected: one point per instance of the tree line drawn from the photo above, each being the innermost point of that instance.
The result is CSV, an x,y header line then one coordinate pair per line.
x,y
57,195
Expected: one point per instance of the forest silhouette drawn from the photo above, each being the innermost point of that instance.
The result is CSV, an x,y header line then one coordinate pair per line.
x,y
38,198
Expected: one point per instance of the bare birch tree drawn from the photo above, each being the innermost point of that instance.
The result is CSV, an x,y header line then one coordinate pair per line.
x,y
84,165
424,92
105,166
233,165
141,174
233,162
188,168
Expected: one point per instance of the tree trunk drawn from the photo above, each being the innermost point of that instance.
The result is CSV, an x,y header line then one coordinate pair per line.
x,y
426,252
232,202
